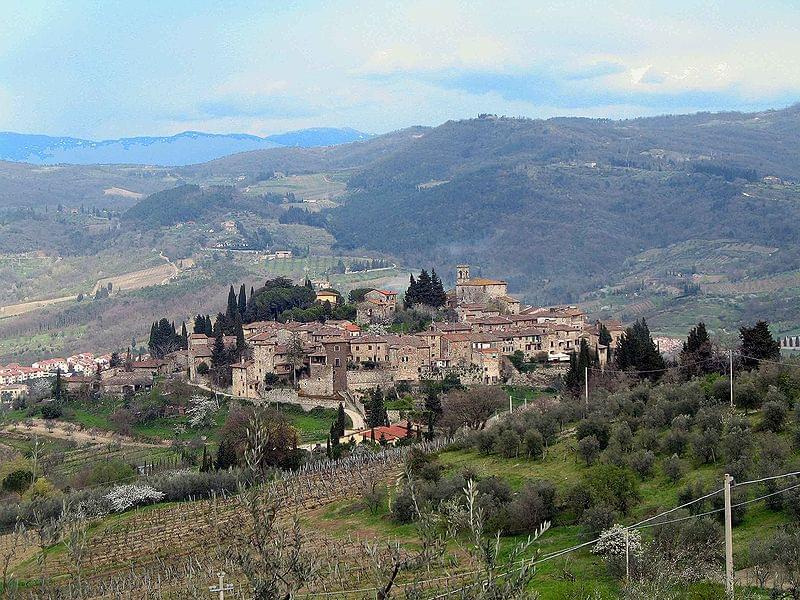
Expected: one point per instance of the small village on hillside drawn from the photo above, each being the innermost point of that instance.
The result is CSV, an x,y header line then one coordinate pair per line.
x,y
343,361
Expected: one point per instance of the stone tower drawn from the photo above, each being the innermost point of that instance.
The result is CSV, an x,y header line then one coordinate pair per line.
x,y
462,273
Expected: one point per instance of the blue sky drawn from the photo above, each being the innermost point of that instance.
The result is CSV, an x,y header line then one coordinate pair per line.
x,y
112,69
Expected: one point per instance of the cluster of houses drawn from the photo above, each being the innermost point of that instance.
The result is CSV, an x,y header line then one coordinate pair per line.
x,y
338,357
84,372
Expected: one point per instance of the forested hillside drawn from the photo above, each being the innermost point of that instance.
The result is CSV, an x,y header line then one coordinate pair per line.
x,y
557,205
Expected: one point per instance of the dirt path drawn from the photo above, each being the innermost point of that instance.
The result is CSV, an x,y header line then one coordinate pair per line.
x,y
133,280
61,431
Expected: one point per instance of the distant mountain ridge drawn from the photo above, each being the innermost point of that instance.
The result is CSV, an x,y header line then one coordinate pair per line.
x,y
189,147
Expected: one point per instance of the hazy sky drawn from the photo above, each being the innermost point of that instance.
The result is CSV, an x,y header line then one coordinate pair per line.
x,y
111,69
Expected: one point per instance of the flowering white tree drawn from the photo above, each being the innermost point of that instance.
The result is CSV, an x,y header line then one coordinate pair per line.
x,y
612,542
123,497
201,410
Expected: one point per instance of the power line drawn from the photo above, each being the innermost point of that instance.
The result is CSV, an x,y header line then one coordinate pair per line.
x,y
792,474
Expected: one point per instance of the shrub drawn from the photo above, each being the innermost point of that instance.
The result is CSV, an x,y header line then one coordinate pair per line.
x,y
104,472
17,481
534,443
642,461
485,441
403,507
203,369
507,444
596,426
773,416
123,497
597,519
613,486
589,449
52,410
674,468
42,488
190,484
676,441
534,504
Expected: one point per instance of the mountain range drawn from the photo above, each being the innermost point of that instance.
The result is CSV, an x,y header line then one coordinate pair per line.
x,y
182,149
674,217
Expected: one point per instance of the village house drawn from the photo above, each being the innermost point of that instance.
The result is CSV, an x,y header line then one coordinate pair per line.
x,y
328,295
378,306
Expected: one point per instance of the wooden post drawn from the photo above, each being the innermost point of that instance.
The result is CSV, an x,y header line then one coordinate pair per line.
x,y
730,362
728,538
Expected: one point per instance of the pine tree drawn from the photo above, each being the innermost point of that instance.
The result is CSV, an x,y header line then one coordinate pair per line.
x,y
425,292
757,344
226,455
637,351
697,353
339,424
240,342
242,302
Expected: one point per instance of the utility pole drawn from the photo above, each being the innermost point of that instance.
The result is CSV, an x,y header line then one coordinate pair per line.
x,y
222,587
730,364
586,386
728,539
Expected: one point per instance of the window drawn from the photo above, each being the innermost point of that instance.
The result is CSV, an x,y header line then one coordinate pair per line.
x,y
336,348
337,362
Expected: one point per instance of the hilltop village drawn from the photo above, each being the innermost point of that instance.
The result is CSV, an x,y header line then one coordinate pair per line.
x,y
341,357
324,362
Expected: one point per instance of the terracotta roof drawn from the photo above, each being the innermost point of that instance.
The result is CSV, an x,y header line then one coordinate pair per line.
x,y
201,352
197,336
392,432
243,365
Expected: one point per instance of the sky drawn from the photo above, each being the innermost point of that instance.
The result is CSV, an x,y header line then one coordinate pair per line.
x,y
115,69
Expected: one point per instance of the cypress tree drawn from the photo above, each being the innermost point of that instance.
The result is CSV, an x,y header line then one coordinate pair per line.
x,y
199,324
184,336
425,289
209,329
377,410
438,295
412,294
218,354
604,335
242,303
233,305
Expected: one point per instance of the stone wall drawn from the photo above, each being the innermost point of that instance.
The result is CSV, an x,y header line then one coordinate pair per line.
x,y
361,380
320,383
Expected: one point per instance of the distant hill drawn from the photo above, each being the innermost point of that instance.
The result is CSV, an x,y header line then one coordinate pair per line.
x,y
182,149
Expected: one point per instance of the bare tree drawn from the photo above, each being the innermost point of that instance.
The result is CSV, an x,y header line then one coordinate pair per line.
x,y
471,407
295,354
269,553
15,542
73,527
